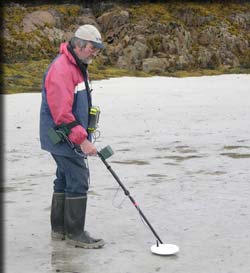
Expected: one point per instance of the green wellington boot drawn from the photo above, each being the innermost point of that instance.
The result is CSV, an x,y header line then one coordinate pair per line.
x,y
57,216
74,219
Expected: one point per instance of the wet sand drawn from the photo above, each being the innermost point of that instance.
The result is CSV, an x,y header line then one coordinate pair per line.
x,y
182,148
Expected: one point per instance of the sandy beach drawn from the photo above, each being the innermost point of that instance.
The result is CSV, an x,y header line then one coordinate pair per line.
x,y
181,147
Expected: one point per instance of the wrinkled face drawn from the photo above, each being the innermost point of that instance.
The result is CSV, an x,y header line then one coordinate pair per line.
x,y
87,53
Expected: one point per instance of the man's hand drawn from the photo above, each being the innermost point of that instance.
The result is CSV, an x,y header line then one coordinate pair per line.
x,y
88,148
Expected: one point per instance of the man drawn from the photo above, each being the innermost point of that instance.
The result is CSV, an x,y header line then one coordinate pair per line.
x,y
64,119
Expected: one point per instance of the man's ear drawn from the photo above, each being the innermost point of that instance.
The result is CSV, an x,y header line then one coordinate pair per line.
x,y
78,44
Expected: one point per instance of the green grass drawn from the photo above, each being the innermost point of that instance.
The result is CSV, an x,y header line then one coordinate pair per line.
x,y
23,77
27,77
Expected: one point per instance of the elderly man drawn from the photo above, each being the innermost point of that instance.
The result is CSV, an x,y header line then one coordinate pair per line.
x,y
64,132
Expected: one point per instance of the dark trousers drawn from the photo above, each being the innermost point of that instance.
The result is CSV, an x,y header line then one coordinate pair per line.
x,y
72,176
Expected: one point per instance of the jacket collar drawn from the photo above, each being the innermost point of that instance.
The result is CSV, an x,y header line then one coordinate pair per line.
x,y
64,50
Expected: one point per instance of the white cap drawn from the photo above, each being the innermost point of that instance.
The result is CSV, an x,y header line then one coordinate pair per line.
x,y
90,33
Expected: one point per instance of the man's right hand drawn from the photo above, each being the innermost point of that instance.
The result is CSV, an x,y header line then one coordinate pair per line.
x,y
88,148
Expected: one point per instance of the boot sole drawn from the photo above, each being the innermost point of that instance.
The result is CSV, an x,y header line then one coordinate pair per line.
x,y
57,236
96,245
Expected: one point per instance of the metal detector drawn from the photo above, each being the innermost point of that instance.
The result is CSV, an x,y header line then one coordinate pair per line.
x,y
159,248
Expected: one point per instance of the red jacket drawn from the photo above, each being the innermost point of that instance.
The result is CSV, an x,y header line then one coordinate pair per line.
x,y
64,99
60,84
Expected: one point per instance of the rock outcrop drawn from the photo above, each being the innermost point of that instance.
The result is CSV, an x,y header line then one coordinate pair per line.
x,y
172,38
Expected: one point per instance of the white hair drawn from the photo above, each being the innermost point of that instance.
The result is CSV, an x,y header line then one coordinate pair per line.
x,y
78,42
